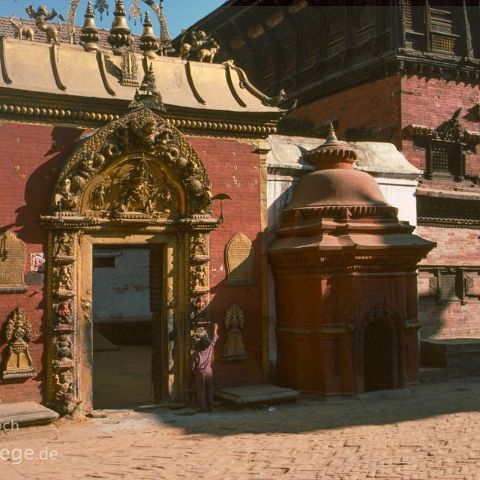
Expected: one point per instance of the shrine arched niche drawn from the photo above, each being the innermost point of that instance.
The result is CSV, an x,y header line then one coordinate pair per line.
x,y
136,181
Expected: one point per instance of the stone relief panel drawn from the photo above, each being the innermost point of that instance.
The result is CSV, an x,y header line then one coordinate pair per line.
x,y
234,348
239,260
18,333
12,264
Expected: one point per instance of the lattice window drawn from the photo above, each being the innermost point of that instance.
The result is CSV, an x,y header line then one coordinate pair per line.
x,y
443,44
336,34
365,24
445,159
448,286
441,27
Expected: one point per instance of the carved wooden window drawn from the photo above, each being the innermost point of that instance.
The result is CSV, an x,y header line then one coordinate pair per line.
x,y
336,34
445,160
414,24
441,31
448,286
365,24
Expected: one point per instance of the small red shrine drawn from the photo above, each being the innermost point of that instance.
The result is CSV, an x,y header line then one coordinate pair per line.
x,y
345,282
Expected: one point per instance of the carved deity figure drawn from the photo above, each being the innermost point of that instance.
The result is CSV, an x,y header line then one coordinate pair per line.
x,y
22,30
41,16
64,198
198,246
63,246
98,197
234,323
63,313
18,334
139,192
199,276
63,348
62,277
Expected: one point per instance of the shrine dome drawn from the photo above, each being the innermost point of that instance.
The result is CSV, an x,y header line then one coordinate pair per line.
x,y
335,182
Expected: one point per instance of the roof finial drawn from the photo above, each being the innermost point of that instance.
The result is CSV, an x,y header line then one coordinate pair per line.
x,y
148,41
147,95
120,35
89,36
331,137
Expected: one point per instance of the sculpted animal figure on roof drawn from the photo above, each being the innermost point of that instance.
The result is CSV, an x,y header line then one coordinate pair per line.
x,y
22,30
198,42
41,16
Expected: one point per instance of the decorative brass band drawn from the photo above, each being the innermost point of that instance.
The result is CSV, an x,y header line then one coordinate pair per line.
x,y
57,112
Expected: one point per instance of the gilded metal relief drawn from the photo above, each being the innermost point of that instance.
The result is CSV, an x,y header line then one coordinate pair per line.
x,y
158,149
63,320
134,187
18,333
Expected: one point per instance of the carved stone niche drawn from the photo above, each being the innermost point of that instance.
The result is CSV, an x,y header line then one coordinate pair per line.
x,y
239,260
234,348
18,333
12,264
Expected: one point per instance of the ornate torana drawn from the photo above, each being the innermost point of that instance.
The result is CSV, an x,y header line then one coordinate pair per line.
x,y
18,333
144,135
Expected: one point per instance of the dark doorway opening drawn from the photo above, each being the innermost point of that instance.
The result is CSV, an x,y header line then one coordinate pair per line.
x,y
378,353
123,345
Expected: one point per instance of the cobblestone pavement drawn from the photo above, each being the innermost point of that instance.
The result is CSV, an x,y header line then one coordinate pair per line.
x,y
427,432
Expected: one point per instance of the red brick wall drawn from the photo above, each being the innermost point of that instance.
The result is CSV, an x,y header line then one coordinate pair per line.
x,y
455,247
371,105
29,159
430,102
234,168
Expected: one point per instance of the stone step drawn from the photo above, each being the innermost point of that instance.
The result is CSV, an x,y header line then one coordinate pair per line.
x,y
24,414
256,394
458,356
432,374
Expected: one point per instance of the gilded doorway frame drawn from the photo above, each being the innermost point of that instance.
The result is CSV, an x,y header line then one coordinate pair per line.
x,y
133,181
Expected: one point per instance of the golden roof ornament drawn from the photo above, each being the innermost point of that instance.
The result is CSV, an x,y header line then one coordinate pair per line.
x,y
120,35
147,95
332,154
89,36
148,42
41,16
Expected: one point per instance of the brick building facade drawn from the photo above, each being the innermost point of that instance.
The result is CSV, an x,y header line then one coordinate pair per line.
x,y
68,127
395,73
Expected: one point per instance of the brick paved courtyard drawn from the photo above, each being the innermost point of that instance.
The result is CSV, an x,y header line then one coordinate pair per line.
x,y
427,432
